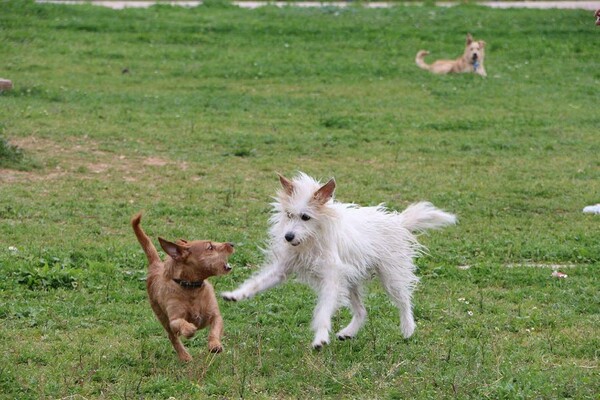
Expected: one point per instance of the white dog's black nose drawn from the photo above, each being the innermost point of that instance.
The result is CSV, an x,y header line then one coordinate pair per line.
x,y
289,236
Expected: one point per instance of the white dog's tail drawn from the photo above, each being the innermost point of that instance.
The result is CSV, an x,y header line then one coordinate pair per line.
x,y
420,59
421,216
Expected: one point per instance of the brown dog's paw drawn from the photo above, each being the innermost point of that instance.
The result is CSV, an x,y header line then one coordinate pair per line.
x,y
215,348
188,330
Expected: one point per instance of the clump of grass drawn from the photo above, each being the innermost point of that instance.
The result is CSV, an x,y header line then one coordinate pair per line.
x,y
11,156
46,277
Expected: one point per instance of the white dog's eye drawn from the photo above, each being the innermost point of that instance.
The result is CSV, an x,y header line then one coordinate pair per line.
x,y
289,215
305,217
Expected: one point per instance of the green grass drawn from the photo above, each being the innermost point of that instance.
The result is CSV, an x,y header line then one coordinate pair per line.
x,y
215,101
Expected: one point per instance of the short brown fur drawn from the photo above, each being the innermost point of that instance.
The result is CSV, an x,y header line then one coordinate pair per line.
x,y
471,60
183,310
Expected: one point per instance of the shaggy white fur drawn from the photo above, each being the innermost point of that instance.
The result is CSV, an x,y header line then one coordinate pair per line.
x,y
335,247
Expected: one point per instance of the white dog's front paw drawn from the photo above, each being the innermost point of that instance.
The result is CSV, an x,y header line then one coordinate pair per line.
x,y
321,339
408,328
319,344
236,295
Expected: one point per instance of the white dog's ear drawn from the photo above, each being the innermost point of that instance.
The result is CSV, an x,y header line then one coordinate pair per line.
x,y
325,192
469,39
287,185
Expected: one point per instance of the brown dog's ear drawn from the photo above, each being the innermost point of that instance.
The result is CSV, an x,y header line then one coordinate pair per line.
x,y
176,251
469,39
287,185
325,192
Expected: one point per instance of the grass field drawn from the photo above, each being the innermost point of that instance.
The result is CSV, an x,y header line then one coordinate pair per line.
x,y
188,113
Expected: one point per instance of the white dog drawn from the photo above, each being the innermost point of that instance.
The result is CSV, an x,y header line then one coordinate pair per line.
x,y
334,247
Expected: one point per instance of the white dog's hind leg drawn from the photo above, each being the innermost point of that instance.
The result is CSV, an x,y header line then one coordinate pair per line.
x,y
359,315
267,278
399,288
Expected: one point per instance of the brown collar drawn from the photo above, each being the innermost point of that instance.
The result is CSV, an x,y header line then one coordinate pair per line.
x,y
188,284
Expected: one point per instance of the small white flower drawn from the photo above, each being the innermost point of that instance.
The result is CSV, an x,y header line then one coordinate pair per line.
x,y
13,249
470,313
462,299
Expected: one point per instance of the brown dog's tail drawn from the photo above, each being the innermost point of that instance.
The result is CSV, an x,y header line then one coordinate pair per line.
x,y
420,59
144,240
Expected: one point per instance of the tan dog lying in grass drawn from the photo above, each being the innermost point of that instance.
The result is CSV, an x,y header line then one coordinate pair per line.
x,y
470,61
179,294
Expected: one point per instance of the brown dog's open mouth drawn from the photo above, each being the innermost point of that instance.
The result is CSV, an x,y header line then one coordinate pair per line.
x,y
227,267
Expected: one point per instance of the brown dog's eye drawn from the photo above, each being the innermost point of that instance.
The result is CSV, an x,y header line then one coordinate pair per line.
x,y
210,247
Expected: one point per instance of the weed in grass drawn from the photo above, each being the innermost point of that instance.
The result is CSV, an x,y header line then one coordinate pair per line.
x,y
9,154
13,156
45,277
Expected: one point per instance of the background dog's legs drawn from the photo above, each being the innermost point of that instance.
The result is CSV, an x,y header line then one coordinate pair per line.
x,y
326,306
399,287
267,278
359,314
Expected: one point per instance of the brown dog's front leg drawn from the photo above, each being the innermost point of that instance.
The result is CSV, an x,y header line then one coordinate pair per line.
x,y
214,336
181,351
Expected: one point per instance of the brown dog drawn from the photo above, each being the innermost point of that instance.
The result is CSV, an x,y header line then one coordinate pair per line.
x,y
179,294
470,61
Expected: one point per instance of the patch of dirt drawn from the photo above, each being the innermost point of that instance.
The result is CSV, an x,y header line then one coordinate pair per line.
x,y
14,176
81,157
541,265
155,162
98,168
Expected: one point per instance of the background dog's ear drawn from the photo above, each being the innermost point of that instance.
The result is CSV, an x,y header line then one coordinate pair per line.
x,y
175,251
469,39
481,44
288,186
325,193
